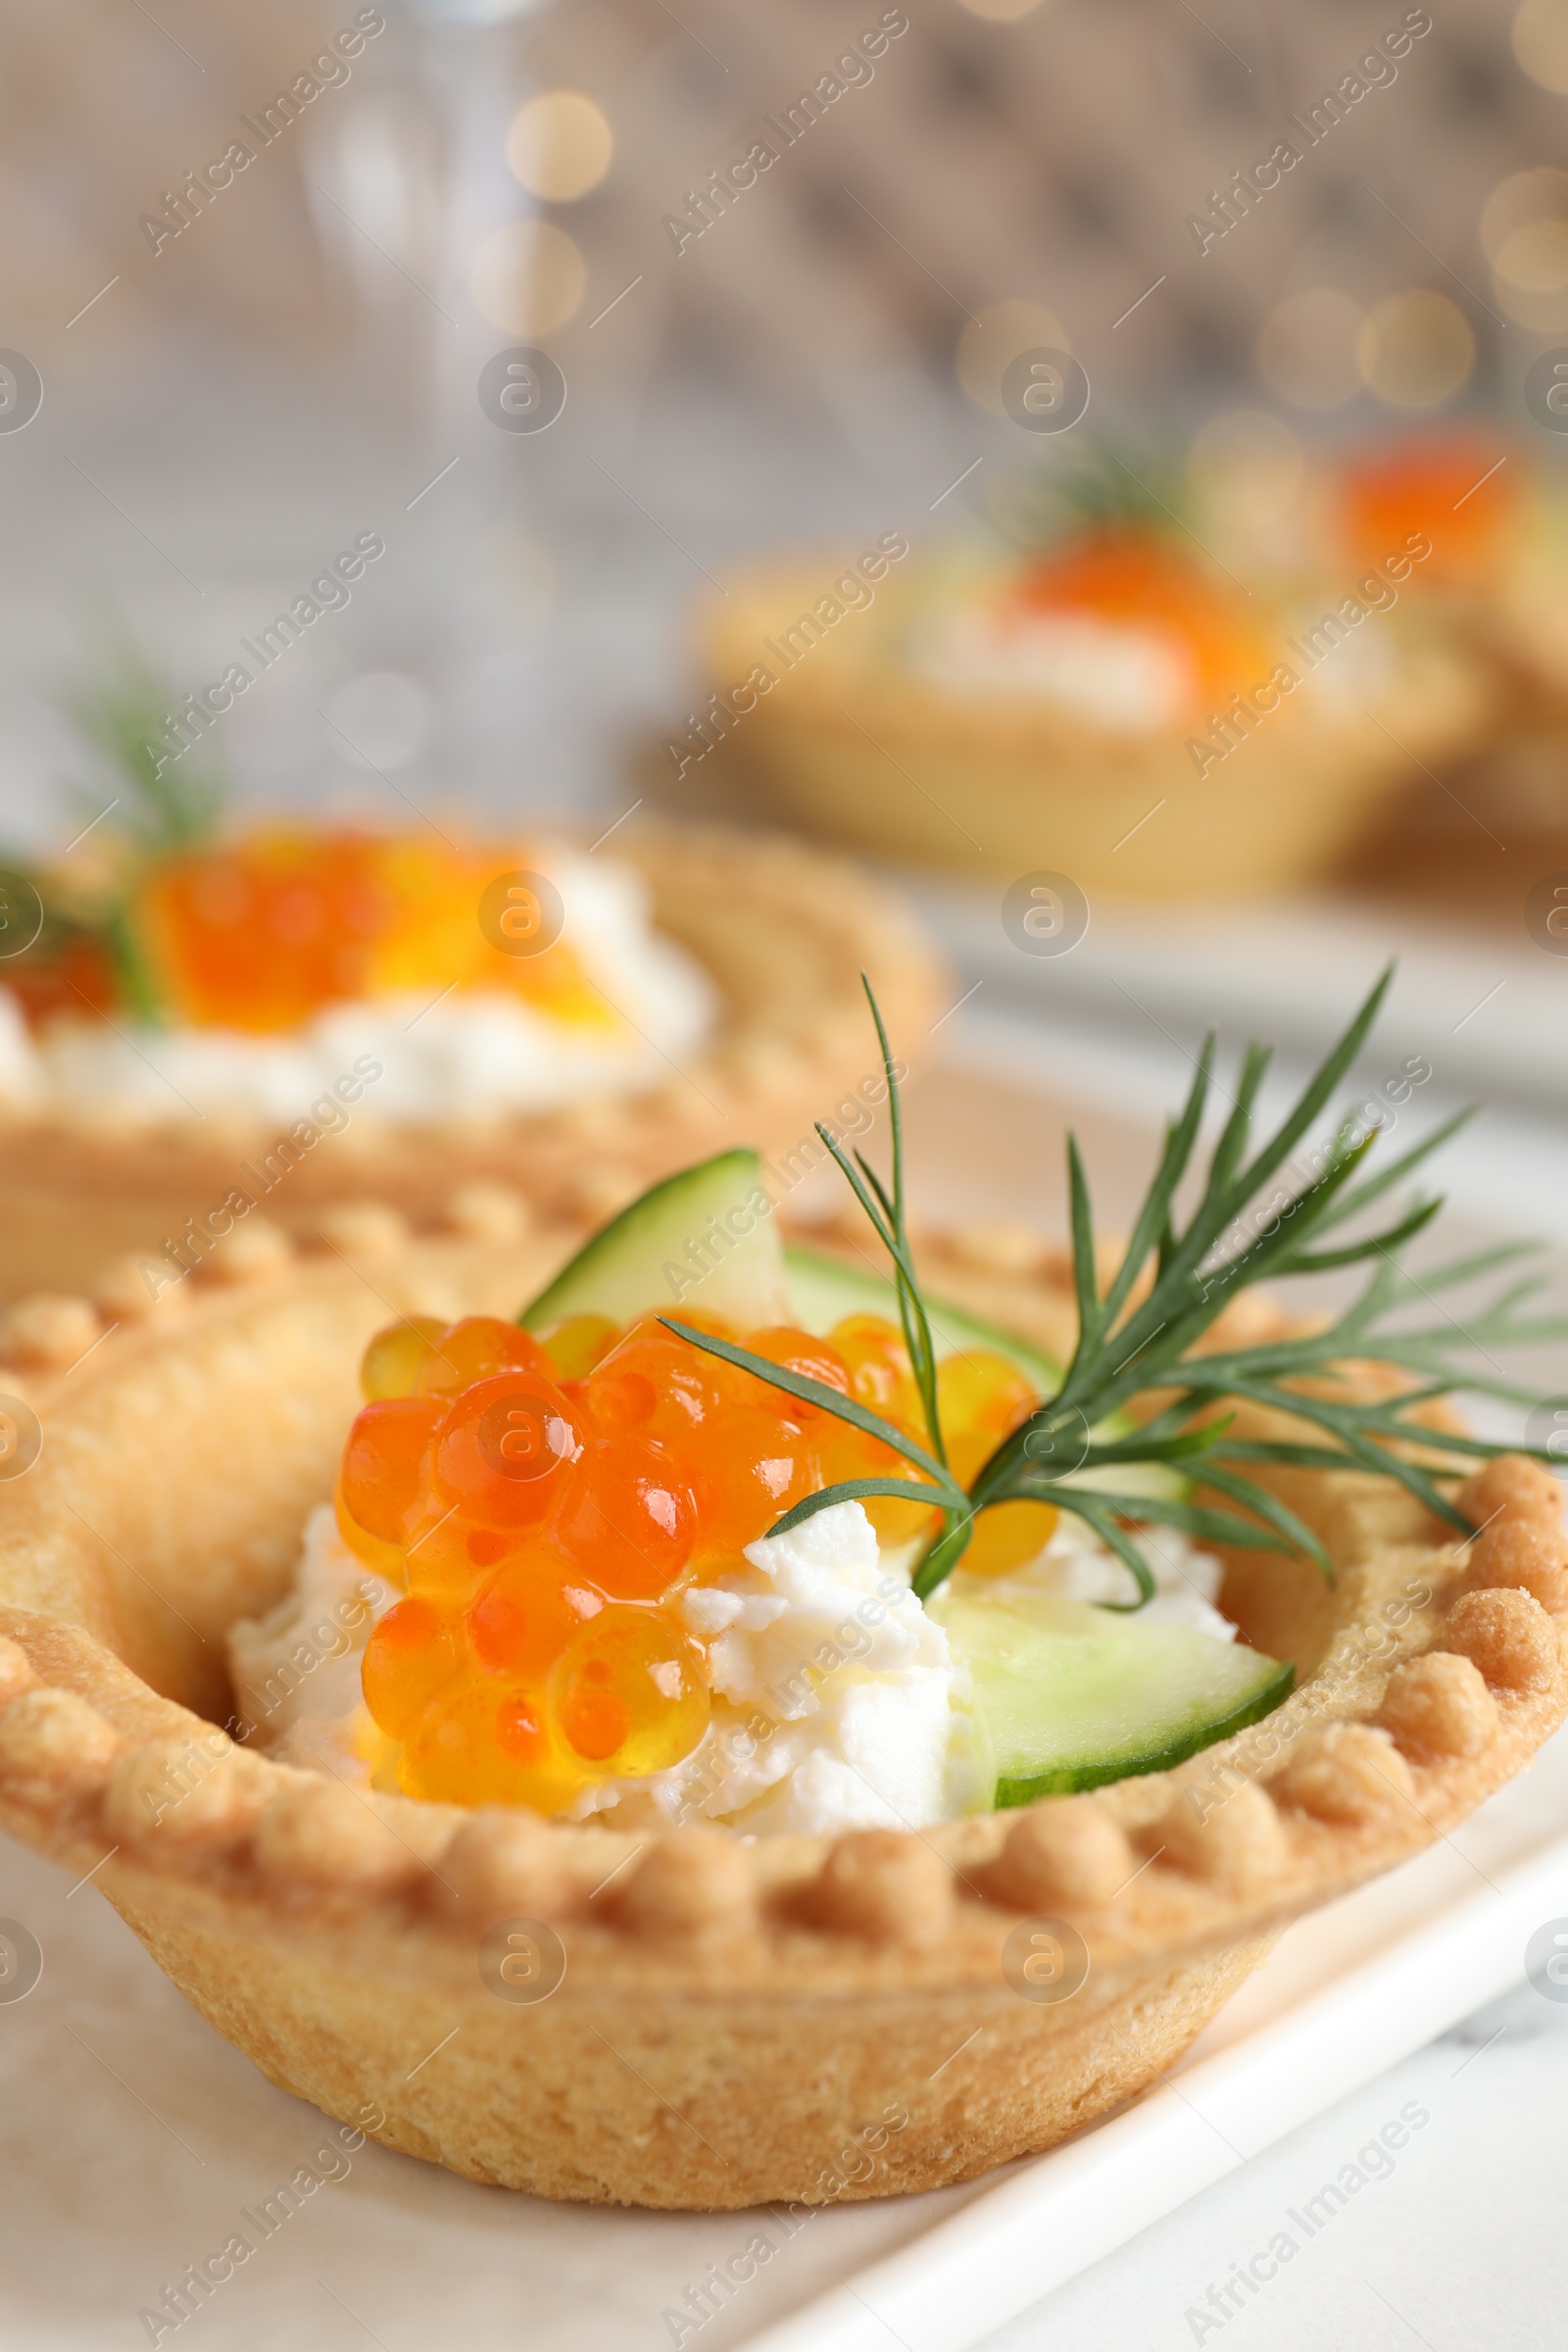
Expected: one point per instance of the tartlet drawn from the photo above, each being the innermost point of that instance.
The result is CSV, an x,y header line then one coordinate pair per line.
x,y
781,933
1497,580
1114,709
732,2017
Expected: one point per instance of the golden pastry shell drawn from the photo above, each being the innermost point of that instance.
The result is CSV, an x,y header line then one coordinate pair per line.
x,y
733,2015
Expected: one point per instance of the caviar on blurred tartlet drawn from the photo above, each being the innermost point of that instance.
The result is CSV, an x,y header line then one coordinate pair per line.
x,y
1492,515
1097,695
202,1018
259,932
1459,490
170,914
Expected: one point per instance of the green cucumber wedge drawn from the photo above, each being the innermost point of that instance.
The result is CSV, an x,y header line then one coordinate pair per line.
x,y
705,1240
1070,1696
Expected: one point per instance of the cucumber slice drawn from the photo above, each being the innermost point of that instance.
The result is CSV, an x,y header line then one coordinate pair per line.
x,y
823,1292
1131,1478
1070,1697
704,1239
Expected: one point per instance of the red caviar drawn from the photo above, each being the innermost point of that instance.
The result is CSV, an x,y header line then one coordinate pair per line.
x,y
258,934
1448,492
546,1506
1139,579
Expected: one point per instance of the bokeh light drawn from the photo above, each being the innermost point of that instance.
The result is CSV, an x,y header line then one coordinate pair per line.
x,y
992,341
559,145
1544,311
1307,349
527,277
1540,42
1416,349
1525,200
1524,234
1247,466
1535,258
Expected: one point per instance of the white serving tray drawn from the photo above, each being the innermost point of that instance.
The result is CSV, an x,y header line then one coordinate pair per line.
x,y
1346,1994
131,2138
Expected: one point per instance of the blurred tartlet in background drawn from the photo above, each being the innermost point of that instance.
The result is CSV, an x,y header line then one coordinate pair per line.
x,y
1460,488
208,1031
1109,700
1497,515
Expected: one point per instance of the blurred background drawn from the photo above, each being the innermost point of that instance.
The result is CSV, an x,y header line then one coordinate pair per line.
x,y
243,366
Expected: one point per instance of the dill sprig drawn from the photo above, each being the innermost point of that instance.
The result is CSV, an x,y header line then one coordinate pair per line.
x,y
122,709
1141,1342
1091,488
159,807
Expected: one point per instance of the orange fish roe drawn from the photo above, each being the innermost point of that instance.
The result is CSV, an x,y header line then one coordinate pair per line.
x,y
1139,579
1451,489
980,1398
261,933
545,1503
62,975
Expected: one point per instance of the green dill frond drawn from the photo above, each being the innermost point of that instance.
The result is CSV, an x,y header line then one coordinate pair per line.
x,y
1138,1339
123,707
1091,487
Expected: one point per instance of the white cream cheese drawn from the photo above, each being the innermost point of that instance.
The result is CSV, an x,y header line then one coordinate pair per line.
x,y
1076,1565
836,1701
296,1671
1127,679
471,1054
